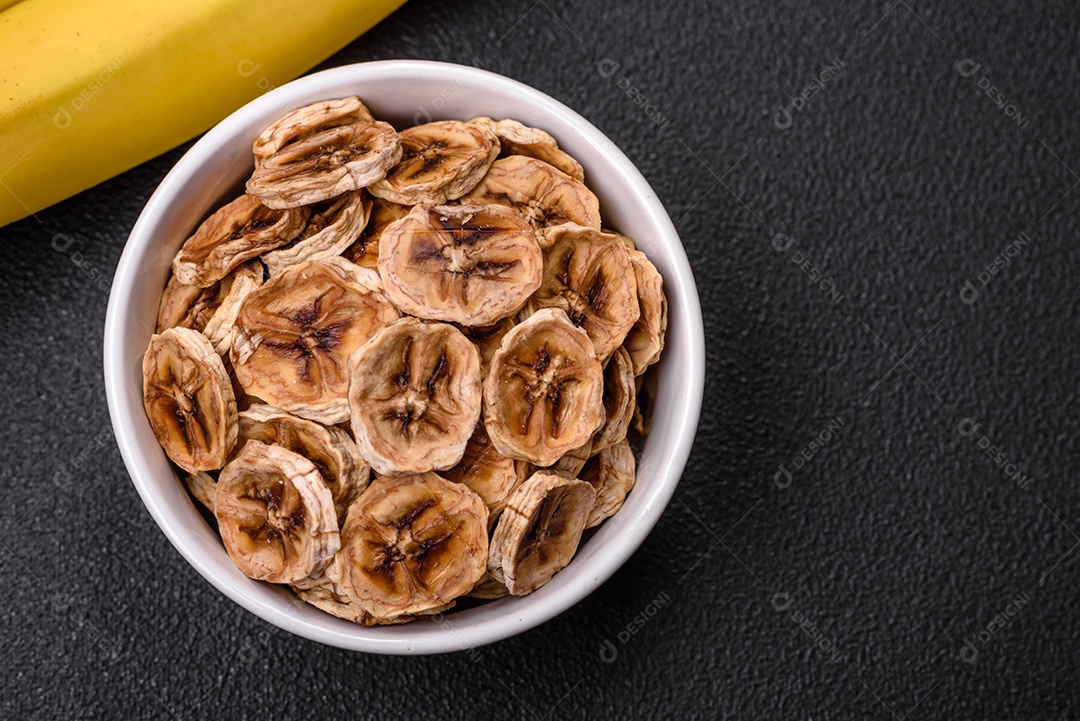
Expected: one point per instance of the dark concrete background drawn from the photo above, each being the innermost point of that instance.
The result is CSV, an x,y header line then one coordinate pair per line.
x,y
831,254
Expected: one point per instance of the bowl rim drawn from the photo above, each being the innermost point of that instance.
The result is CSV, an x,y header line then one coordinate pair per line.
x,y
525,616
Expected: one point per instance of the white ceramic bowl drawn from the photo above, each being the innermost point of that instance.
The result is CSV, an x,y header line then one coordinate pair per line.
x,y
403,92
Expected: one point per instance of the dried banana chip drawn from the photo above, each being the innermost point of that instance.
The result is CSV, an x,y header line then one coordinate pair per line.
x,y
620,395
611,473
330,230
543,395
487,339
440,161
518,139
365,251
645,340
235,287
236,232
293,336
203,488
275,514
468,264
324,592
412,544
486,472
488,589
414,396
306,121
573,461
187,306
189,399
539,531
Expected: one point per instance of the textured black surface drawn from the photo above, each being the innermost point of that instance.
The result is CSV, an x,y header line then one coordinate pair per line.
x,y
898,181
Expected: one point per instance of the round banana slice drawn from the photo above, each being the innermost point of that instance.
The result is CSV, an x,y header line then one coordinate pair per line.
x,y
326,164
234,287
488,589
645,340
365,251
572,462
414,396
539,531
611,473
275,514
238,231
412,544
589,275
330,230
440,161
539,191
518,139
306,121
620,395
189,399
332,451
487,338
468,264
543,395
203,488
486,472
293,336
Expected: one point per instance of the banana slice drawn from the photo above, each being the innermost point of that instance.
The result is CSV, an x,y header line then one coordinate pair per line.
x,y
235,287
293,336
518,139
440,161
414,396
645,340
573,461
487,338
620,395
468,264
412,544
275,514
365,251
543,395
539,191
306,121
189,399
331,229
488,589
326,164
332,451
238,231
589,274
486,472
211,310
612,473
539,531
324,592
203,488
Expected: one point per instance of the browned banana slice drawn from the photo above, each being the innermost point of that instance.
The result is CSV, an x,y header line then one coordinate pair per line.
x,y
234,287
468,264
189,399
589,275
187,306
542,193
488,589
486,472
324,592
620,396
326,164
645,340
332,227
414,396
293,336
236,232
365,251
275,514
203,488
412,544
330,449
306,121
518,139
543,395
487,339
611,473
573,461
539,531
440,161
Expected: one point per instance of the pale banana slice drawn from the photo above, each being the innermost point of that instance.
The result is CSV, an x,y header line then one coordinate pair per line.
x,y
332,451
412,544
620,397
487,338
324,592
275,514
414,396
539,531
543,395
440,161
468,264
306,121
333,226
235,287
488,589
203,488
612,473
645,340
573,461
293,336
187,306
589,274
365,251
518,139
189,400
540,192
236,232
326,164
486,472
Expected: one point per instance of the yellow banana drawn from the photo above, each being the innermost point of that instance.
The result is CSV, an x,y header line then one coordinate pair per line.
x,y
90,89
